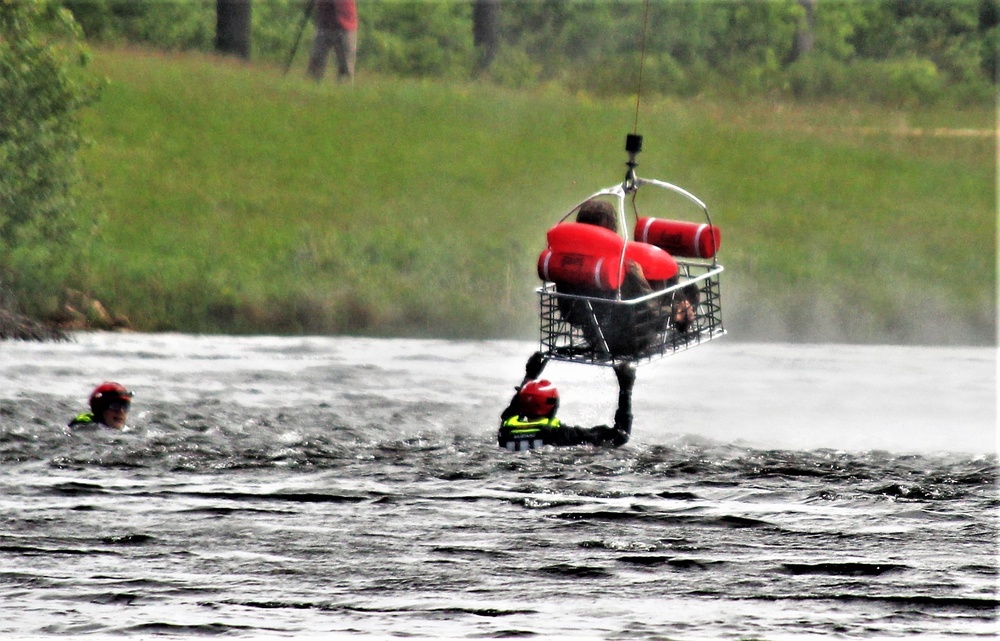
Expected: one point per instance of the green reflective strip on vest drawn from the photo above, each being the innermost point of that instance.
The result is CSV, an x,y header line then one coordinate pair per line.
x,y
527,427
83,419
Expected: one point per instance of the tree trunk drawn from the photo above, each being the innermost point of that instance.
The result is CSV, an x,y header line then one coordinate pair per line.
x,y
805,34
232,27
486,31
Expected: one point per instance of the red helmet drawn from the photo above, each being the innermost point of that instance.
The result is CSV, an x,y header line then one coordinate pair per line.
x,y
538,398
107,393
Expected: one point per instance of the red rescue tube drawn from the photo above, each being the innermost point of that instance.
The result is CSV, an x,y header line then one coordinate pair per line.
x,y
585,239
578,239
695,240
600,272
656,263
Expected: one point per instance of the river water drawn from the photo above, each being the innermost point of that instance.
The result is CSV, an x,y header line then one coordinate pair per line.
x,y
350,487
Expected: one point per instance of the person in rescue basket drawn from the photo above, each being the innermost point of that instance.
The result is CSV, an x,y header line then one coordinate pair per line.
x,y
530,419
626,329
109,405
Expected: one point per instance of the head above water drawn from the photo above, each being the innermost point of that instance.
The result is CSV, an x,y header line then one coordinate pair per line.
x,y
598,212
110,403
538,398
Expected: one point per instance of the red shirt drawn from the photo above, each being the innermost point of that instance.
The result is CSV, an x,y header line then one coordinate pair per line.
x,y
337,14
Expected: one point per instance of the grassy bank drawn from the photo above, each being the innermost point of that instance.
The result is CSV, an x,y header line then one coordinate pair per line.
x,y
237,200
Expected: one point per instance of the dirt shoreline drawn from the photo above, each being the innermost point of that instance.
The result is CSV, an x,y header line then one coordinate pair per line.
x,y
15,326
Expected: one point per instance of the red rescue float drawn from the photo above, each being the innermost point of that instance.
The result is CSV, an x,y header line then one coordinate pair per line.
x,y
599,272
583,254
582,237
656,263
680,238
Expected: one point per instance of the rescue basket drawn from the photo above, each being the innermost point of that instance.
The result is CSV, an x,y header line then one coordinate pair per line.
x,y
602,331
596,323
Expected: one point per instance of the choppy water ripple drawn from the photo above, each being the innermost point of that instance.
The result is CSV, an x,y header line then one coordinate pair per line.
x,y
230,512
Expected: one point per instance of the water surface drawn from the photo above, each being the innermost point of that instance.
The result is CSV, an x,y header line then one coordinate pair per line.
x,y
352,487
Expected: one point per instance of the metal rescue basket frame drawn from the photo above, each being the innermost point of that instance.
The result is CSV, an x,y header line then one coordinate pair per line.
x,y
584,339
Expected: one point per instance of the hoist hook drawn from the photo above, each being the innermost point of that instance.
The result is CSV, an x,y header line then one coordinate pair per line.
x,y
633,145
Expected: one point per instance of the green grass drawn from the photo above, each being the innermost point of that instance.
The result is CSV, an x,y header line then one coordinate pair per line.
x,y
237,200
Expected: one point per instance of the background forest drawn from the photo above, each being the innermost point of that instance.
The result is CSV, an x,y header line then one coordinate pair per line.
x,y
849,49
156,177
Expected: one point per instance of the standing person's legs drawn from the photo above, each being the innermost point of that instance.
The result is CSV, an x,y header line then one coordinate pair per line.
x,y
345,44
321,48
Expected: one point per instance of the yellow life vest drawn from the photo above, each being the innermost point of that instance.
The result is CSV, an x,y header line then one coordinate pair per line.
x,y
523,433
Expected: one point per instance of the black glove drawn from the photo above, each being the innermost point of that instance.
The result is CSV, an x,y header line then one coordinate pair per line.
x,y
610,436
619,438
533,368
626,375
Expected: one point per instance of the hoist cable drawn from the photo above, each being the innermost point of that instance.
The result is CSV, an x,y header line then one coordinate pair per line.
x,y
642,62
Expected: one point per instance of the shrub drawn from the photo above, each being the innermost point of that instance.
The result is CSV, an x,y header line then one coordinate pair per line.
x,y
43,88
166,25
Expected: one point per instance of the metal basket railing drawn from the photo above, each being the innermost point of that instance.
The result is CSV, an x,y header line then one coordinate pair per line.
x,y
606,331
578,324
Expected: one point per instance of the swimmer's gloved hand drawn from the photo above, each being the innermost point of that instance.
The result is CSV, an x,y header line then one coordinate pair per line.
x,y
533,368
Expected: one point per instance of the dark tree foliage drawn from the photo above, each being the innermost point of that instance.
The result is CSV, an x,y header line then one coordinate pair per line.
x,y
865,49
43,88
166,24
989,30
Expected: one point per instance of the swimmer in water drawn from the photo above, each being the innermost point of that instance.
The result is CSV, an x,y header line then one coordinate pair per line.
x,y
530,419
109,405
